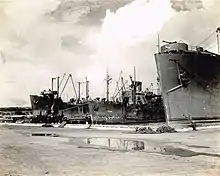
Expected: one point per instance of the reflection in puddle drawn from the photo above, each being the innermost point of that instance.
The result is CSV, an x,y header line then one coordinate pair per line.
x,y
44,134
145,146
121,144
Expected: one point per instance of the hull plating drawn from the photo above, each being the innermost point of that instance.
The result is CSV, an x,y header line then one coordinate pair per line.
x,y
42,104
201,98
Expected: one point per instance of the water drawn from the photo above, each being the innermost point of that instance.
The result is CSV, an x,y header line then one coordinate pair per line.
x,y
45,134
144,146
122,144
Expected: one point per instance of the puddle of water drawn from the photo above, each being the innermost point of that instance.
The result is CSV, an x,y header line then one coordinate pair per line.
x,y
187,153
198,146
144,146
45,134
121,144
192,146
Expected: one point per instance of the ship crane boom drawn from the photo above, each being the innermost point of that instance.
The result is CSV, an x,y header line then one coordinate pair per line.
x,y
121,88
69,77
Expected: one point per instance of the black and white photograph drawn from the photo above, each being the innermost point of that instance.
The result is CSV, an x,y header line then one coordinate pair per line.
x,y
109,87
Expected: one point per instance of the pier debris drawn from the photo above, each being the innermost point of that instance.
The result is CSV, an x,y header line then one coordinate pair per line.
x,y
149,130
63,124
166,129
145,130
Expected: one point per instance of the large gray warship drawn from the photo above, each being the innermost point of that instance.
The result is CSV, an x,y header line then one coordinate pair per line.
x,y
190,83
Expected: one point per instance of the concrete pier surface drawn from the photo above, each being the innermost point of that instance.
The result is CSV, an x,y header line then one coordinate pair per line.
x,y
35,151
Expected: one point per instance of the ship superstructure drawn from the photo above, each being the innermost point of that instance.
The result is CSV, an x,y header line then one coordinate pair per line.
x,y
50,103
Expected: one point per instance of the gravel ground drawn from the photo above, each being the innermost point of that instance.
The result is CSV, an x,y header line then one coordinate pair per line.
x,y
70,151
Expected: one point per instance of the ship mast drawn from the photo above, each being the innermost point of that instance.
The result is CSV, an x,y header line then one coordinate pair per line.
x,y
108,79
134,95
87,89
58,85
52,84
79,91
158,43
218,32
122,88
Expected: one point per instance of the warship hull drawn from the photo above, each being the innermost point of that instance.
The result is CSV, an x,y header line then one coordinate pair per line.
x,y
189,82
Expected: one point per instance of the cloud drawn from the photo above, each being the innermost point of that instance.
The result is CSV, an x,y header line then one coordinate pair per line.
x,y
38,45
43,39
194,26
186,5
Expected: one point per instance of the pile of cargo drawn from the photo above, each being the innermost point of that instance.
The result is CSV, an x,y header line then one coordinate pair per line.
x,y
148,130
165,129
145,130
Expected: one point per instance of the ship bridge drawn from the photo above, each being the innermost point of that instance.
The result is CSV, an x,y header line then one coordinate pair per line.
x,y
178,47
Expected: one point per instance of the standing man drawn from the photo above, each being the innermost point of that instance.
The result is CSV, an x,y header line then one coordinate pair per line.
x,y
88,120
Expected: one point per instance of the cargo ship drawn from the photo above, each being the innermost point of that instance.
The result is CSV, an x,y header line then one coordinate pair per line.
x,y
131,106
49,106
189,82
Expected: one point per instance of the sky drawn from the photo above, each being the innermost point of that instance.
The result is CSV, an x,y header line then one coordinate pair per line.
x,y
47,38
